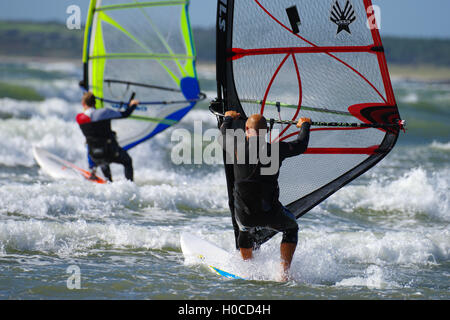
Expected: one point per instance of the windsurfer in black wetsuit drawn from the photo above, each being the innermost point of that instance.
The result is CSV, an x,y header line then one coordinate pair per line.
x,y
103,148
256,203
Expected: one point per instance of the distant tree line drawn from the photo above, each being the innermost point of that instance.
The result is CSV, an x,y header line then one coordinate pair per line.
x,y
51,40
411,51
54,40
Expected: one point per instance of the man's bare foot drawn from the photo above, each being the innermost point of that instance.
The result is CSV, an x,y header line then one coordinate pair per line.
x,y
246,254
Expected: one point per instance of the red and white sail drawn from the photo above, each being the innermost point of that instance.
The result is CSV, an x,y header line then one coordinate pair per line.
x,y
323,59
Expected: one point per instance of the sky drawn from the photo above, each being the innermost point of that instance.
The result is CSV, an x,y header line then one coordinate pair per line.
x,y
412,18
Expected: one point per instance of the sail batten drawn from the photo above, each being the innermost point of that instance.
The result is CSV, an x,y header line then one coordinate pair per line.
x,y
125,56
144,4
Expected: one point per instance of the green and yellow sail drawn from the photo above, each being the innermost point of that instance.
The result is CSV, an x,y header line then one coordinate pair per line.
x,y
146,48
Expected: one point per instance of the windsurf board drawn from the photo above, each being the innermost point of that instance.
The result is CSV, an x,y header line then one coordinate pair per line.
x,y
204,252
59,168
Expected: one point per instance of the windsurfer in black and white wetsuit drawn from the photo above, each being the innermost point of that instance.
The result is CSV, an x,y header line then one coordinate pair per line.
x,y
256,194
103,148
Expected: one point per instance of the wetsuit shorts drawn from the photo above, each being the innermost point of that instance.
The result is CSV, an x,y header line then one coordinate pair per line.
x,y
280,220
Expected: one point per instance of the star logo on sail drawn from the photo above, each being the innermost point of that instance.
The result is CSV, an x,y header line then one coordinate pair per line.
x,y
343,18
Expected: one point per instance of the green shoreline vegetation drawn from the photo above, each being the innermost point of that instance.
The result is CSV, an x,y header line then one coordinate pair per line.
x,y
19,92
408,58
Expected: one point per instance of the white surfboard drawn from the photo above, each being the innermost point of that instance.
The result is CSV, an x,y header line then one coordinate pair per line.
x,y
201,251
59,168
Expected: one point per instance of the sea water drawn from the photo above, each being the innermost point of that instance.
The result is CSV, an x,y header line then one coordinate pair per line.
x,y
384,236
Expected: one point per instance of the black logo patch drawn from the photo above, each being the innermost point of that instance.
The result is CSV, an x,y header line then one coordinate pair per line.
x,y
294,18
343,18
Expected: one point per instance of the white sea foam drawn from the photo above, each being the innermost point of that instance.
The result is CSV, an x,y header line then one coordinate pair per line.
x,y
51,125
441,146
64,67
76,238
207,195
71,199
324,256
18,136
410,98
416,191
70,218
52,107
373,278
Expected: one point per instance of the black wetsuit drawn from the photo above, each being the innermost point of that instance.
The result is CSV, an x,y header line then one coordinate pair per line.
x,y
256,195
103,148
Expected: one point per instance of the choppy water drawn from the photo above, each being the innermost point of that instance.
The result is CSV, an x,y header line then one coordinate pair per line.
x,y
385,236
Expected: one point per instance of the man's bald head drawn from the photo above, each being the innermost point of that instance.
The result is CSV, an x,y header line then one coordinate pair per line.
x,y
255,123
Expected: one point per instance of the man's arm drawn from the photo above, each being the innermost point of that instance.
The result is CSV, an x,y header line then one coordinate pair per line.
x,y
110,114
132,106
227,124
298,146
228,121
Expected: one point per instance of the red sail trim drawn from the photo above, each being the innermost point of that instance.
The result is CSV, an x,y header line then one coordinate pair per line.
x,y
369,151
386,79
381,57
327,53
238,53
263,104
300,97
358,73
374,113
